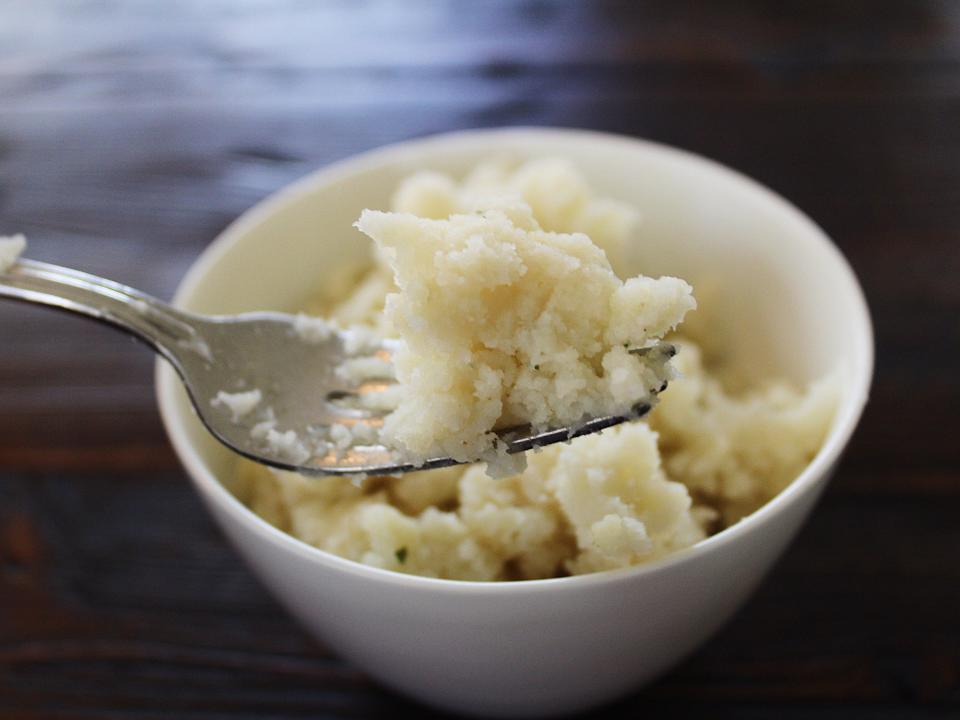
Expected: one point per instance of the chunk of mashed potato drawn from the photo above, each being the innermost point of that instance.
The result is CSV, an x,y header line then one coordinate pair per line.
x,y
630,495
504,324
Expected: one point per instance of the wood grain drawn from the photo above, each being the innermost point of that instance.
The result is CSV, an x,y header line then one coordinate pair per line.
x,y
132,132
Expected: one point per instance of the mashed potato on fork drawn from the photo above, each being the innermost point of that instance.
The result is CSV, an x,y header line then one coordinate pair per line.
x,y
505,324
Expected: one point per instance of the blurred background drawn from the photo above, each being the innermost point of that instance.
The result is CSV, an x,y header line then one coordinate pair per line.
x,y
131,132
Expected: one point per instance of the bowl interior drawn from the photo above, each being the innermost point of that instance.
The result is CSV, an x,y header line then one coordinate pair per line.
x,y
776,297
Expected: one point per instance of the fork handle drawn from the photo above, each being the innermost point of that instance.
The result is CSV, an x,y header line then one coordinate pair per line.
x,y
165,329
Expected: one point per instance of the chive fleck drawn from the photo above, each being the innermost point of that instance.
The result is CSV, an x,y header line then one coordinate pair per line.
x,y
401,554
536,367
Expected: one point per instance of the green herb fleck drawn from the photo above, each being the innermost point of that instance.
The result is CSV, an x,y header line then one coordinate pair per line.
x,y
626,344
536,367
401,554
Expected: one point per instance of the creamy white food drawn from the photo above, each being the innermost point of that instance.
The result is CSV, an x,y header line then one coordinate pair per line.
x,y
630,495
286,445
505,324
735,452
238,404
10,250
313,330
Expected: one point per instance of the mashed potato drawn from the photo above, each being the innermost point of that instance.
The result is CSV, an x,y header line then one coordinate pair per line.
x,y
10,251
505,324
630,495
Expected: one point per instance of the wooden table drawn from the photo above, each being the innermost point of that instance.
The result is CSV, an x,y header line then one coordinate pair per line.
x,y
132,132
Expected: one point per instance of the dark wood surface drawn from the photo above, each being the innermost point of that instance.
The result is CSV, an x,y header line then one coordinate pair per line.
x,y
132,132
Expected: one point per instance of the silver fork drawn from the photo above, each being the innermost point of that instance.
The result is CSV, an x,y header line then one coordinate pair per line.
x,y
301,393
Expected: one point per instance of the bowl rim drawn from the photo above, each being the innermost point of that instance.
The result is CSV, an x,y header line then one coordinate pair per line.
x,y
847,416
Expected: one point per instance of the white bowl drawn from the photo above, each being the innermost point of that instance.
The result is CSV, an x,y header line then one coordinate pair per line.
x,y
780,294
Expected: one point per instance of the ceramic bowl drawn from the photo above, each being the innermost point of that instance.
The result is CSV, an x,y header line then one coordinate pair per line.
x,y
782,301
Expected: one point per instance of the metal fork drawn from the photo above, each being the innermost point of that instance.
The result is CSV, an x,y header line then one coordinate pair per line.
x,y
301,394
